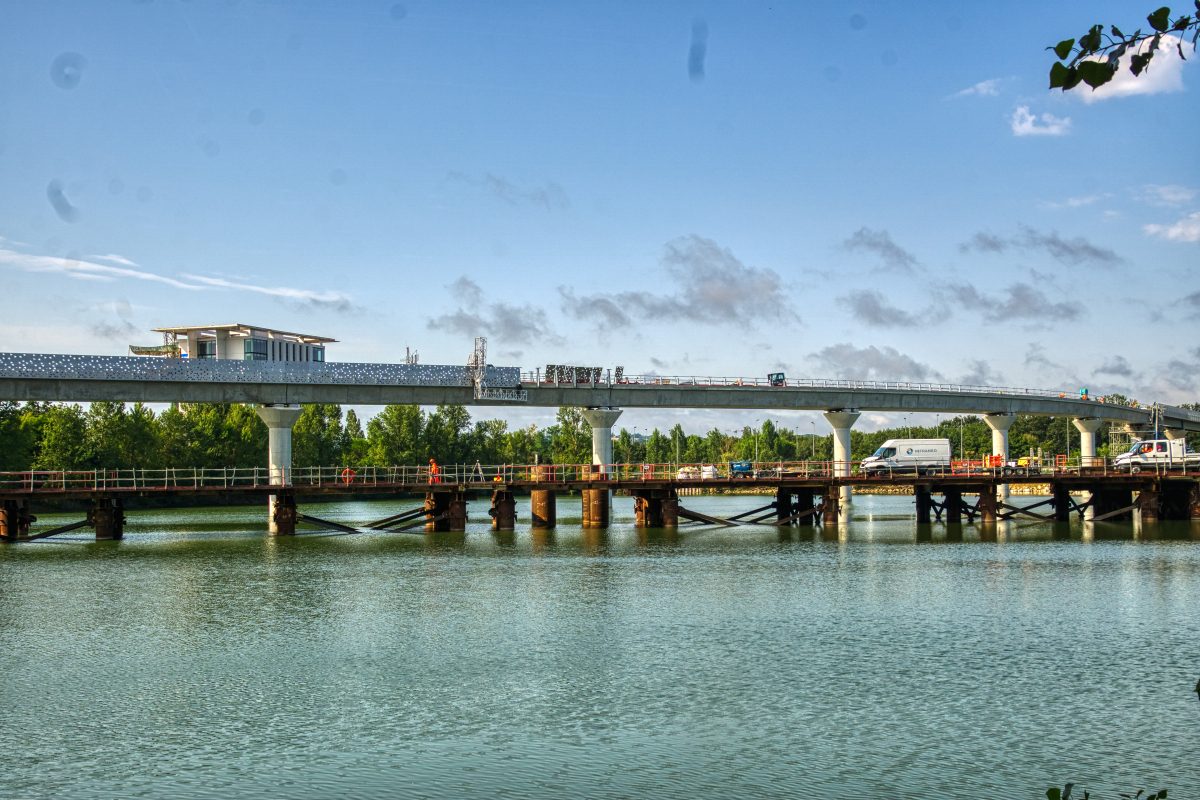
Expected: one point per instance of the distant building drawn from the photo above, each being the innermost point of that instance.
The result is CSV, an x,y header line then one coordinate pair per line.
x,y
238,342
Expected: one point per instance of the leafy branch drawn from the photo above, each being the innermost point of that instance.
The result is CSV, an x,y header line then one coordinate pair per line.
x,y
1097,55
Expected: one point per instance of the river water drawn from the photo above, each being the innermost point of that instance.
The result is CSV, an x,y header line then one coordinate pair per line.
x,y
199,658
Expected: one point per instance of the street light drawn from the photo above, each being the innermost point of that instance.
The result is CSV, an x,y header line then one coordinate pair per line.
x,y
756,442
814,438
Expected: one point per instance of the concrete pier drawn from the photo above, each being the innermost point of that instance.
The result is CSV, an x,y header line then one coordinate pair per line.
x,y
841,422
1000,423
279,420
1087,427
601,420
15,520
543,511
108,518
503,511
595,508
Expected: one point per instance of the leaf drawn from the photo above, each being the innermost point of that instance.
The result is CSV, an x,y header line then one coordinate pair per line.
x,y
1117,32
1095,73
1160,19
1139,62
1058,75
1063,48
1073,79
1090,41
1181,23
1114,57
1054,793
1067,791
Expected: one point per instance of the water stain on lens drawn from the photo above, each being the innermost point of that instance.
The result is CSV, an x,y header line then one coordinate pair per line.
x,y
398,12
832,74
698,50
144,194
67,70
62,206
889,58
857,22
256,116
116,186
337,177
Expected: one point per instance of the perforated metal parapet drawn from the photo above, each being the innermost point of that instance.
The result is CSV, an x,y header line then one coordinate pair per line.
x,y
134,368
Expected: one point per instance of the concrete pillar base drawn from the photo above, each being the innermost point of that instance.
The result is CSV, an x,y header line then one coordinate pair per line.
x,y
543,512
504,511
842,421
108,518
284,515
595,508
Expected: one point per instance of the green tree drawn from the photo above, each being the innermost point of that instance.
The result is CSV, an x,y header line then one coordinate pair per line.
x,y
572,437
64,441
1096,56
394,436
318,437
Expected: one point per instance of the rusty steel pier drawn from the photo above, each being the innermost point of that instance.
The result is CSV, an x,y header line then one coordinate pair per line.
x,y
805,494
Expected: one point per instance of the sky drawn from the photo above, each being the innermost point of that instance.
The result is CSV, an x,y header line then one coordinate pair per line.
x,y
869,190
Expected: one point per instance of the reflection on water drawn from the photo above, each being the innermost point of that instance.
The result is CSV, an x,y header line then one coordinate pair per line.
x,y
200,658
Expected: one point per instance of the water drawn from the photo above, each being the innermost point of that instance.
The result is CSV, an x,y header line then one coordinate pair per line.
x,y
198,658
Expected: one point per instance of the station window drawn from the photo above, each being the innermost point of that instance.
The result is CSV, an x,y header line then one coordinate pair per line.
x,y
318,354
256,350
206,348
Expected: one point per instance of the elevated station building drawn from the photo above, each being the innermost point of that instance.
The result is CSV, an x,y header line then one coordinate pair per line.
x,y
238,342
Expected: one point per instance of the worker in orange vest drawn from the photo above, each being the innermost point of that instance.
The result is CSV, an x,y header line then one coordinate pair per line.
x,y
433,472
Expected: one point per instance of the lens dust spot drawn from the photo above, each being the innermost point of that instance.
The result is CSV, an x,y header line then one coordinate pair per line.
x,y
144,194
62,206
857,22
398,12
889,58
67,70
256,116
698,50
337,177
116,186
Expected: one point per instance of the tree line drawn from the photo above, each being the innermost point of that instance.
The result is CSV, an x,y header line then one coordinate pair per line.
x,y
109,435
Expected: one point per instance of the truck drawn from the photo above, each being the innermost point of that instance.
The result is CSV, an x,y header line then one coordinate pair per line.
x,y
916,456
741,469
1157,454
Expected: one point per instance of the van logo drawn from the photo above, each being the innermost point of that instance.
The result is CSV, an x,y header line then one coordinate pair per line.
x,y
909,451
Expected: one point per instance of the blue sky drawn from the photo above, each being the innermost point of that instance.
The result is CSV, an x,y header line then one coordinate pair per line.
x,y
834,190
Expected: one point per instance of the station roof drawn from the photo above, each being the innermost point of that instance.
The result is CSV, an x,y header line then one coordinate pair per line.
x,y
240,329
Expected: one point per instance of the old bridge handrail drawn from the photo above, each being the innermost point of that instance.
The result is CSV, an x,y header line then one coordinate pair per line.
x,y
478,475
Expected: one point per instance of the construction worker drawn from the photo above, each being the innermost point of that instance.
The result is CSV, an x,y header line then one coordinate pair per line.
x,y
433,472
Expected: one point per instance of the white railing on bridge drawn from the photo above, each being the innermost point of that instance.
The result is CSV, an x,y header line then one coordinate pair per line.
x,y
477,476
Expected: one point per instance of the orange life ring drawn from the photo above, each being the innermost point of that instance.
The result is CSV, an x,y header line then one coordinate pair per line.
x,y
348,475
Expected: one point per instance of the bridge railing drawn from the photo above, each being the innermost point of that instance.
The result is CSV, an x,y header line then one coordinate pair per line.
x,y
480,476
604,378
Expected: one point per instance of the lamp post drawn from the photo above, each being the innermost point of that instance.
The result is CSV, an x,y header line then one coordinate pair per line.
x,y
814,438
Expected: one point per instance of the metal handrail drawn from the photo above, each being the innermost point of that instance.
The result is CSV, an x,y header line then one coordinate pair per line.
x,y
479,475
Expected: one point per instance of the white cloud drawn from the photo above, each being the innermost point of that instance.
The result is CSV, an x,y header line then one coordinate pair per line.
x,y
83,270
1076,202
1164,74
1026,124
988,87
334,300
116,259
1186,230
1169,195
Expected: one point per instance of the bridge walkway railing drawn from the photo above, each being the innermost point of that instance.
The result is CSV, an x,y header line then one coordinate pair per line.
x,y
479,476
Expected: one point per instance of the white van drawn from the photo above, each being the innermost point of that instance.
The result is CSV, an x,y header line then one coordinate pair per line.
x,y
909,455
1155,454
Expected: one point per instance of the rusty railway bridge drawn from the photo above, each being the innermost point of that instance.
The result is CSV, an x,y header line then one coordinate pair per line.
x,y
805,494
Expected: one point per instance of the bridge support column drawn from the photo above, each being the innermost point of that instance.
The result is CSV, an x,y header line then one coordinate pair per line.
x,y
804,502
842,421
15,520
108,518
832,507
657,508
1062,502
543,502
670,510
595,508
783,504
1175,433
601,420
1087,427
989,507
1000,423
283,515
952,503
279,420
503,511
924,498
1147,504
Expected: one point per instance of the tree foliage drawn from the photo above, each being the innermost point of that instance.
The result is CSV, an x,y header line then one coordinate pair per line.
x,y
1095,57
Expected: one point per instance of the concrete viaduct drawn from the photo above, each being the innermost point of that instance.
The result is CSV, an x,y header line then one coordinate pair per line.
x,y
281,387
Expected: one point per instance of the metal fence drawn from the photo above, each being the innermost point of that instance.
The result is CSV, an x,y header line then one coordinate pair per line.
x,y
479,475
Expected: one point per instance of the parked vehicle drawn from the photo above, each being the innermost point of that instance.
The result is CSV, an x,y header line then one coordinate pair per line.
x,y
1156,454
917,456
741,469
777,379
